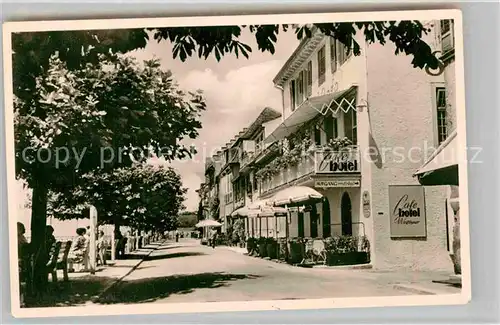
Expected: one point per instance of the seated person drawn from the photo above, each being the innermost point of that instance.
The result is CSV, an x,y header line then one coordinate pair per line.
x,y
23,249
50,242
78,253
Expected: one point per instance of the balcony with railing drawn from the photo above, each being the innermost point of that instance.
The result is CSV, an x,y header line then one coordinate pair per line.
x,y
316,161
239,202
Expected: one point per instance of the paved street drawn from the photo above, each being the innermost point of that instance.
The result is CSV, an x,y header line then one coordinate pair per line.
x,y
189,272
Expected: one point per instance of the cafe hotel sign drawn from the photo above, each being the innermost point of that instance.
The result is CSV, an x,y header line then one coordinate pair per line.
x,y
336,162
407,211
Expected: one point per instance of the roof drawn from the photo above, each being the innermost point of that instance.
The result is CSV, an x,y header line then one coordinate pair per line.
x,y
298,57
266,115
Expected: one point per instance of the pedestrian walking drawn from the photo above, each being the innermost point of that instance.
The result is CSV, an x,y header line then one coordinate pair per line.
x,y
213,237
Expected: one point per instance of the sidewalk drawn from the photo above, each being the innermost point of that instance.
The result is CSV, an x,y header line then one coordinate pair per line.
x,y
84,288
416,282
240,250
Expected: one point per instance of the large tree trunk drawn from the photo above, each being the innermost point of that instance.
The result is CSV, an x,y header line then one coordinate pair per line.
x,y
38,243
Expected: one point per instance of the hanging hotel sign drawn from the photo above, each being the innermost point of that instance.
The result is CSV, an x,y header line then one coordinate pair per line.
x,y
326,183
336,162
407,211
366,204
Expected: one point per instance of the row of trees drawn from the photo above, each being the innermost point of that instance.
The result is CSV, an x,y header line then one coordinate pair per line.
x,y
75,90
145,197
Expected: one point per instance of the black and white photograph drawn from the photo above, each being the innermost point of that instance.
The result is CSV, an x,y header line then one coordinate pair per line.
x,y
236,163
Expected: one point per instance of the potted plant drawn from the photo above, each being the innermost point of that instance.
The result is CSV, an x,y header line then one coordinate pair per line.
x,y
251,245
296,250
282,249
262,244
347,250
272,248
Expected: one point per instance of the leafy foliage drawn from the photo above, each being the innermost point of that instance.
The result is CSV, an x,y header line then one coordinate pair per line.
x,y
143,196
187,220
223,40
74,97
111,114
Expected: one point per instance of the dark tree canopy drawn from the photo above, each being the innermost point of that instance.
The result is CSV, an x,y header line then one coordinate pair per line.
x,y
221,40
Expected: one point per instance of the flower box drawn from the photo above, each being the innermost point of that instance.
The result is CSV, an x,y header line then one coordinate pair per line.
x,y
349,258
347,250
251,245
272,248
296,249
262,245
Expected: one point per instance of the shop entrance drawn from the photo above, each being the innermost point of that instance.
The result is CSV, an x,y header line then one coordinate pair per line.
x,y
327,230
346,215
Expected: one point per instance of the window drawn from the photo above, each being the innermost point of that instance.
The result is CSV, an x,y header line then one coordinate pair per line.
x,y
321,65
317,135
228,182
442,129
292,95
330,126
309,79
447,36
343,53
333,54
259,142
351,126
299,83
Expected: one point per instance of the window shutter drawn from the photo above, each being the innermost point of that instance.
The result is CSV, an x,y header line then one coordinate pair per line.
x,y
309,79
333,54
447,35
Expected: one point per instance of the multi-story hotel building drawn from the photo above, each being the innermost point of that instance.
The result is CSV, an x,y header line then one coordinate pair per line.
x,y
352,130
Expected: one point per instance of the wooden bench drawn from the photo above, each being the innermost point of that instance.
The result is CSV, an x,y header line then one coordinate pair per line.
x,y
62,261
52,262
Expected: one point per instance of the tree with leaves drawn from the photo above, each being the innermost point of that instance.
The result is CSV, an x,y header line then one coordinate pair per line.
x,y
94,119
143,196
407,37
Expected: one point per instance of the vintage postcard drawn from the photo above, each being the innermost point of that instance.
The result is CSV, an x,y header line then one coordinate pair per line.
x,y
180,165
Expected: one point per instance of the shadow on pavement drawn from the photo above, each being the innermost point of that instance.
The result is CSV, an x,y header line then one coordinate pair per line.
x,y
173,255
169,247
76,292
152,289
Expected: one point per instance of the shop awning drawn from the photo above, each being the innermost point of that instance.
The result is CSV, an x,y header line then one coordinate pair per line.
x,y
241,212
442,166
305,112
208,223
295,194
259,204
268,211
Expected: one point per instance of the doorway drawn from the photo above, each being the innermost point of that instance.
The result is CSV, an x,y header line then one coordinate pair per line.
x,y
327,230
314,221
300,225
346,215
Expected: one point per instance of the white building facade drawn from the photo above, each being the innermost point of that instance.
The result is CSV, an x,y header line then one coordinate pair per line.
x,y
382,117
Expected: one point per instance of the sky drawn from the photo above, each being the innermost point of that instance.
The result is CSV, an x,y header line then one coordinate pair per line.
x,y
235,90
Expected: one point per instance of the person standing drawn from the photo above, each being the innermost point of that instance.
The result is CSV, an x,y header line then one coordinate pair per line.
x,y
101,248
50,241
213,237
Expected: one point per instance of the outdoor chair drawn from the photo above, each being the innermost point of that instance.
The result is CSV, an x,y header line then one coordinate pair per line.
x,y
52,262
62,262
314,251
319,251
